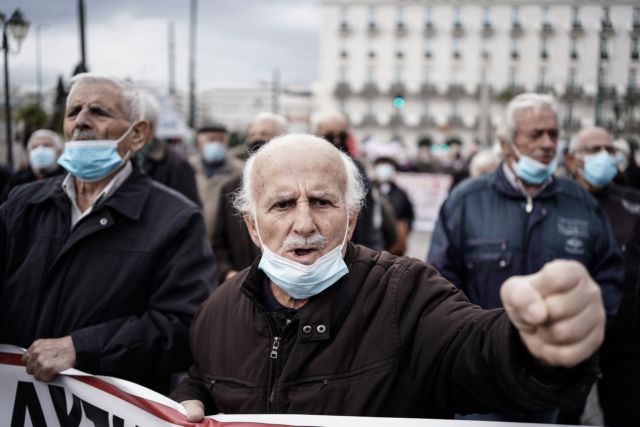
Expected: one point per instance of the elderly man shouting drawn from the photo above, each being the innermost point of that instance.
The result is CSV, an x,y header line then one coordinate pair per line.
x,y
318,325
102,269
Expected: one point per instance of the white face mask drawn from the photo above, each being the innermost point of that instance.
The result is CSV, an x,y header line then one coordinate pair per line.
x,y
302,281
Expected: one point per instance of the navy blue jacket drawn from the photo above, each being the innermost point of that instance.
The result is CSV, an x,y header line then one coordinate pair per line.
x,y
484,235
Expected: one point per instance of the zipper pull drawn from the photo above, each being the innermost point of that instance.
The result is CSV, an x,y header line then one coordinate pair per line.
x,y
529,206
274,348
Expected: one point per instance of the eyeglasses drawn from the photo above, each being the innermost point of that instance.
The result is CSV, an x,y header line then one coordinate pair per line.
x,y
594,149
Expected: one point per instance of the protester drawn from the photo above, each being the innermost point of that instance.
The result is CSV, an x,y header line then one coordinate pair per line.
x,y
232,244
515,220
161,163
591,161
43,148
384,172
333,127
319,325
102,269
214,167
484,162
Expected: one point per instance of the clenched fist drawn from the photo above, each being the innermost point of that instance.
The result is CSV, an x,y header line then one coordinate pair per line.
x,y
558,312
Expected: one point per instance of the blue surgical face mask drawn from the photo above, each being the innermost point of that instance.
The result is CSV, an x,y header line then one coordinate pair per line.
x,y
599,169
42,158
622,160
384,172
532,171
92,160
214,152
302,281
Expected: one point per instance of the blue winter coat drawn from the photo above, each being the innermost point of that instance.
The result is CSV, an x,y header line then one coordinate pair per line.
x,y
488,231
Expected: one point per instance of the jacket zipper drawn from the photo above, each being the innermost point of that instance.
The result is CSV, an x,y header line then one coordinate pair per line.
x,y
273,357
529,206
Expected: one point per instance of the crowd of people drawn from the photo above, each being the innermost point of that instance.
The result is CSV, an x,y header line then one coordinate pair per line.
x,y
273,273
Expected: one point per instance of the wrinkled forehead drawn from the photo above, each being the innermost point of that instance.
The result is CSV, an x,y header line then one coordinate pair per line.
x,y
536,117
95,92
292,169
594,138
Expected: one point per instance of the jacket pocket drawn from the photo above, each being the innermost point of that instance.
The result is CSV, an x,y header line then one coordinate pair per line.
x,y
359,392
232,395
493,253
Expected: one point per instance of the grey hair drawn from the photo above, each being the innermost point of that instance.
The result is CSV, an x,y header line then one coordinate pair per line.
x,y
150,108
484,160
281,121
319,118
524,101
244,199
46,133
132,104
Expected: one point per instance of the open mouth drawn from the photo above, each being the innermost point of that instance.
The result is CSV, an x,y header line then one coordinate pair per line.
x,y
303,252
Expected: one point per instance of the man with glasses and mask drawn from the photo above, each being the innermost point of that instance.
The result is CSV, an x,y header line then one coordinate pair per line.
x,y
102,269
515,220
319,325
333,127
591,161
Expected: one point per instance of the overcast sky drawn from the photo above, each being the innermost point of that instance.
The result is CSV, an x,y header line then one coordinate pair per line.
x,y
239,42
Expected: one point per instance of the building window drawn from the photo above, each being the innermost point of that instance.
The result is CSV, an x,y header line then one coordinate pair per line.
x,y
454,108
371,74
344,16
542,79
513,78
545,15
636,18
515,19
634,48
400,17
456,17
633,79
342,73
455,47
428,52
602,77
399,71
486,21
573,50
426,75
571,78
604,50
514,49
425,107
428,18
544,53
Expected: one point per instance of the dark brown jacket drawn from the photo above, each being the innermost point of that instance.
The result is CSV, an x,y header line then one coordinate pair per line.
x,y
391,338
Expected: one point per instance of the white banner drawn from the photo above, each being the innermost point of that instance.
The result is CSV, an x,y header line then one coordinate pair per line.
x,y
77,399
427,192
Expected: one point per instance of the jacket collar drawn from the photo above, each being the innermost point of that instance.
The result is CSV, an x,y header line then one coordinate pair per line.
x,y
129,199
315,317
503,185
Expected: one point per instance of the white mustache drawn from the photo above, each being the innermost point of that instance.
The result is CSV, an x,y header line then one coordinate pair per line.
x,y
83,135
317,241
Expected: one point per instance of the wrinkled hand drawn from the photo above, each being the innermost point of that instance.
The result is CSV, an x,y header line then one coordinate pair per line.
x,y
195,410
558,312
45,358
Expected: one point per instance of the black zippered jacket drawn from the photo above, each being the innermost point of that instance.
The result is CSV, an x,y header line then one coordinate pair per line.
x,y
391,338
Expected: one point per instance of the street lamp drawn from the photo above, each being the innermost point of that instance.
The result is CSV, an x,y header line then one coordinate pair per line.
x,y
18,28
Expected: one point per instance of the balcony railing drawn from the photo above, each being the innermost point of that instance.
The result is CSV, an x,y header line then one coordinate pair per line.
x,y
370,90
516,29
487,29
577,29
544,88
456,90
429,29
396,88
632,95
401,29
342,90
456,122
369,119
606,28
428,121
571,124
345,29
546,30
373,29
396,119
428,89
572,92
607,91
457,30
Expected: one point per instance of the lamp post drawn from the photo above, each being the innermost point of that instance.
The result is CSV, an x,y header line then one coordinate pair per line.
x,y
18,28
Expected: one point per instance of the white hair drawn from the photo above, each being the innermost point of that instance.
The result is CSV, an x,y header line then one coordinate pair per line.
x,y
132,104
150,108
321,117
485,161
281,121
244,199
524,101
46,133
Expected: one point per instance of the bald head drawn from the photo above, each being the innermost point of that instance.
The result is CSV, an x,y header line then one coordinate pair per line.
x,y
293,156
590,138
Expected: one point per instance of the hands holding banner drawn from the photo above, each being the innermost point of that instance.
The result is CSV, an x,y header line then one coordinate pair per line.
x,y
558,312
45,358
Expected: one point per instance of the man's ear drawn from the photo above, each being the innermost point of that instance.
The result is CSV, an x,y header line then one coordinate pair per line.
x,y
251,226
140,135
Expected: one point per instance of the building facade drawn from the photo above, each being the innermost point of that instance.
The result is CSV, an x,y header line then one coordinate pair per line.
x,y
441,70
